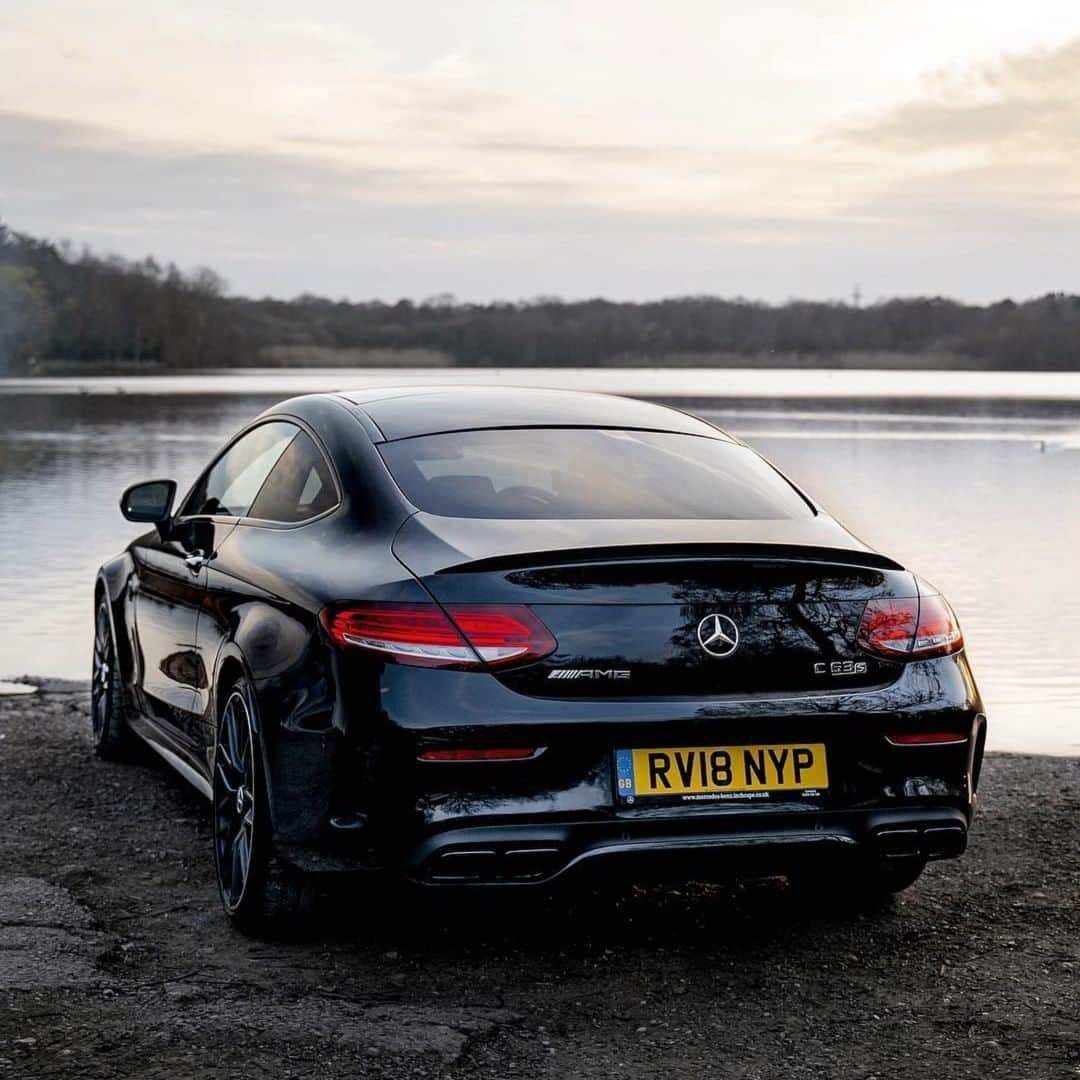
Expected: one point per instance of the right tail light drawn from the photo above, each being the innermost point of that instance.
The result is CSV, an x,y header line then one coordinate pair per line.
x,y
910,629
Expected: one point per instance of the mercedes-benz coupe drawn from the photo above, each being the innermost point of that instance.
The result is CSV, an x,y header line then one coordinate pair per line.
x,y
490,637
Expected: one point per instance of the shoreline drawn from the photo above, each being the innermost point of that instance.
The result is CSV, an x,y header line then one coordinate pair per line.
x,y
689,386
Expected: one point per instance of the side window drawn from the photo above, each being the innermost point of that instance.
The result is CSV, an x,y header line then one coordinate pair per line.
x,y
299,487
231,485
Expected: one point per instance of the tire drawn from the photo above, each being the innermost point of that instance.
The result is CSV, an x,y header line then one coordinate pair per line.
x,y
865,883
259,896
882,878
113,739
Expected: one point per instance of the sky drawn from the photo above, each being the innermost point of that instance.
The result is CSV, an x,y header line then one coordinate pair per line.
x,y
493,149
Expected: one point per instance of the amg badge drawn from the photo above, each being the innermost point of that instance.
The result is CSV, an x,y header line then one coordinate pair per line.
x,y
590,673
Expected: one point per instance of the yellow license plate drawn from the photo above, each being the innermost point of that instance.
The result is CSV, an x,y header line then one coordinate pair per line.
x,y
714,772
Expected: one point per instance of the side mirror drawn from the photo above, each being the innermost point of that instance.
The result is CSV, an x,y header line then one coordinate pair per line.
x,y
150,501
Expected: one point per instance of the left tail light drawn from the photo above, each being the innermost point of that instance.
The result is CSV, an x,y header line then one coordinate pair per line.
x,y
426,635
910,629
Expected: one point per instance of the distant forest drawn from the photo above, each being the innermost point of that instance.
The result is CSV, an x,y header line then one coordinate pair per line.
x,y
68,310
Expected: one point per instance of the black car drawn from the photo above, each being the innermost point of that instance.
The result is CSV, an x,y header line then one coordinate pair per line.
x,y
494,637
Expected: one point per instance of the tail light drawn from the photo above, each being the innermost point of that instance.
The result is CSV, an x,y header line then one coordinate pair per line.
x,y
426,635
910,629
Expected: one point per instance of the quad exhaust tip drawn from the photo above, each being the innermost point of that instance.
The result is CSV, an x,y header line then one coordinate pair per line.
x,y
495,864
521,863
927,842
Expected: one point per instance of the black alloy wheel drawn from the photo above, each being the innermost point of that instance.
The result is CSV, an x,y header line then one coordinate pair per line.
x,y
258,895
108,713
234,802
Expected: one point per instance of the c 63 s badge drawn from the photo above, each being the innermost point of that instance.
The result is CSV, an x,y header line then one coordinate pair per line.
x,y
841,667
590,673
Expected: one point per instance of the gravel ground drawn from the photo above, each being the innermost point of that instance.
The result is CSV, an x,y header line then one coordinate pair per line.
x,y
115,960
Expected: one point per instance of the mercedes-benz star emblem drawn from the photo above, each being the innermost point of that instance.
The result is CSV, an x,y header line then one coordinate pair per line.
x,y
719,636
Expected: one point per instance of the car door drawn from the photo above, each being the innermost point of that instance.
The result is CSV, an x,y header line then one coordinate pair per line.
x,y
170,578
248,582
174,573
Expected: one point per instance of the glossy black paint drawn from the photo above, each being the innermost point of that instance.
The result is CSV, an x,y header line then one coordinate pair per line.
x,y
341,731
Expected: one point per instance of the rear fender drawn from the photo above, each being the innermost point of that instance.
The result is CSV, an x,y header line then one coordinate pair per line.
x,y
114,581
294,724
230,666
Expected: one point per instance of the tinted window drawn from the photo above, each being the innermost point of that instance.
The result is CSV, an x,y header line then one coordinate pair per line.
x,y
299,486
230,487
588,473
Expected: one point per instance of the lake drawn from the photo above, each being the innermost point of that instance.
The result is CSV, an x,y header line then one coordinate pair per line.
x,y
971,479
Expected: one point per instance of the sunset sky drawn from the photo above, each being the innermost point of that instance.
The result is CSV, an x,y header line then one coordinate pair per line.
x,y
504,150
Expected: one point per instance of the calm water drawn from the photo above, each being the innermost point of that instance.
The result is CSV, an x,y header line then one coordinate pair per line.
x,y
987,506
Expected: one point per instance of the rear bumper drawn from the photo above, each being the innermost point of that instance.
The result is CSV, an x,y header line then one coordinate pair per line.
x,y
557,813
541,854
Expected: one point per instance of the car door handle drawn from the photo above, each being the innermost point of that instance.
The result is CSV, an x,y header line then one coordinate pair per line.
x,y
196,561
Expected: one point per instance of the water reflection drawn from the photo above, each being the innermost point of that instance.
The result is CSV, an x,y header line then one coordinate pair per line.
x,y
993,522
984,507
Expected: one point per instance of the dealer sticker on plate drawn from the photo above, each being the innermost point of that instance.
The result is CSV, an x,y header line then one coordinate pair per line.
x,y
712,773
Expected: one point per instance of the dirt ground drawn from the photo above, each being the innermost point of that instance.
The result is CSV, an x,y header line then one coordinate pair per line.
x,y
115,960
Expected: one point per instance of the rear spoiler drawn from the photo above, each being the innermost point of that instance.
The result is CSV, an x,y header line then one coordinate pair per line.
x,y
675,553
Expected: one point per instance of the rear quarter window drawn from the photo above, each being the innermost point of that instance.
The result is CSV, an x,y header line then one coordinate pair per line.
x,y
300,485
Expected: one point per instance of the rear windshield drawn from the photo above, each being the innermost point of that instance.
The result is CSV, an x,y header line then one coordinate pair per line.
x,y
552,473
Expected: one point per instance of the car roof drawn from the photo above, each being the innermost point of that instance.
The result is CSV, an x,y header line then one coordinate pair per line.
x,y
405,412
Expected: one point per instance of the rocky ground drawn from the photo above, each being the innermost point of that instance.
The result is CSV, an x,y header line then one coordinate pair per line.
x,y
115,960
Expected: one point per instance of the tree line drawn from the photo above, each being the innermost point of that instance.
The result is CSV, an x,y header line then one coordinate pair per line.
x,y
67,309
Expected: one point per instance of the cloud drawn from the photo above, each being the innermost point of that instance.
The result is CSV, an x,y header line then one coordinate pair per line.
x,y
45,158
92,171
971,186
281,224
1004,108
606,152
987,151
